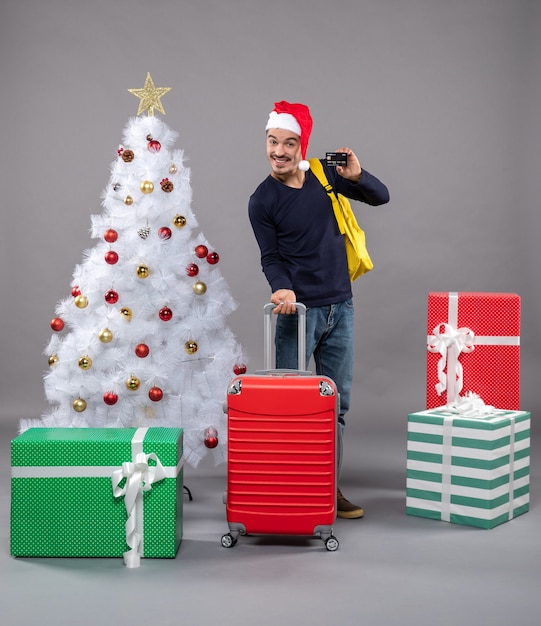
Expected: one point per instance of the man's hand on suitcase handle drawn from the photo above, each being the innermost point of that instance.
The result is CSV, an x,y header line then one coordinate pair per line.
x,y
284,299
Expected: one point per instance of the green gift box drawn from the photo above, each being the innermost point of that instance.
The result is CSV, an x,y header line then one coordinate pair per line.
x,y
97,492
468,470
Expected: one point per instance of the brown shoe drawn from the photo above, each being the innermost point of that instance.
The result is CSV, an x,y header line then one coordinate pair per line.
x,y
346,509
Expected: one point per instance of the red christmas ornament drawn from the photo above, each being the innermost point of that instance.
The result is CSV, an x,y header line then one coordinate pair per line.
x,y
142,350
110,398
239,369
201,251
110,235
164,233
111,296
211,437
111,257
213,258
165,314
192,269
155,394
154,145
57,324
76,291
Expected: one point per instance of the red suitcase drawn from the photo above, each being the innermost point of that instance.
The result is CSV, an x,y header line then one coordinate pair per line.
x,y
281,460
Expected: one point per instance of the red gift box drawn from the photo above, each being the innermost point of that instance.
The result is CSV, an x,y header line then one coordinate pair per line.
x,y
473,345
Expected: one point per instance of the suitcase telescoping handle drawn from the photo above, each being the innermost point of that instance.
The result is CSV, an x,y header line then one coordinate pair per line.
x,y
301,332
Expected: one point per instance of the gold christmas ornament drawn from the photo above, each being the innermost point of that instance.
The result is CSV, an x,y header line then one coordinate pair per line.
x,y
143,271
105,335
179,221
150,97
126,313
79,405
85,362
199,288
128,200
147,186
81,302
190,347
53,359
173,169
133,383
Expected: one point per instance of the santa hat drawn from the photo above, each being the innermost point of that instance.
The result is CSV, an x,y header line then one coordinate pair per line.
x,y
296,118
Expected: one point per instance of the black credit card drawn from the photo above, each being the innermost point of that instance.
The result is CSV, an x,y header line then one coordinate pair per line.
x,y
337,158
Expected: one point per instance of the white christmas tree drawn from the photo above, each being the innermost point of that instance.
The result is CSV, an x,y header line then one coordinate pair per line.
x,y
142,339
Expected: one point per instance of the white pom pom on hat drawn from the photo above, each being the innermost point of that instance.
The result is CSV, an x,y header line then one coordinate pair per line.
x,y
296,118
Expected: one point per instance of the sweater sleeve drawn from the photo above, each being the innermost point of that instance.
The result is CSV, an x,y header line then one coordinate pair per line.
x,y
265,234
369,189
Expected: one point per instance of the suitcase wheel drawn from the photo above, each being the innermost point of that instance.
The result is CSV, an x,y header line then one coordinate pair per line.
x,y
332,544
228,541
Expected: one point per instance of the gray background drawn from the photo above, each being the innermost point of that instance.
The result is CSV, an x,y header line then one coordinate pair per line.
x,y
440,100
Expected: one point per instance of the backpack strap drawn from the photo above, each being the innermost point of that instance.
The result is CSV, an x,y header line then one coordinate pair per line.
x,y
359,261
317,169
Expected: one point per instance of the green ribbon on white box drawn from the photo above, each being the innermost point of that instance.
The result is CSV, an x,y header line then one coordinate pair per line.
x,y
472,406
139,477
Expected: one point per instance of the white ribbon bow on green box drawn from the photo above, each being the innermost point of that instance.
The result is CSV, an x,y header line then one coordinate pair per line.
x,y
139,476
89,525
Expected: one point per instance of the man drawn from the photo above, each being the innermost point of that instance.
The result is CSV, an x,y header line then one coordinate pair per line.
x,y
303,253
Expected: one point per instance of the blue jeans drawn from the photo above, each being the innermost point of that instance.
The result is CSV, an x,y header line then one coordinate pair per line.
x,y
330,340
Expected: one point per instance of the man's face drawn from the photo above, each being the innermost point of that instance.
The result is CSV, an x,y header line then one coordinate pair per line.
x,y
283,151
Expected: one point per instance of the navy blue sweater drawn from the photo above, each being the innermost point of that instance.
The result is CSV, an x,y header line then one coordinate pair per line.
x,y
301,246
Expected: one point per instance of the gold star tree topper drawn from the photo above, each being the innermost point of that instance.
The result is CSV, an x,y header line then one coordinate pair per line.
x,y
150,96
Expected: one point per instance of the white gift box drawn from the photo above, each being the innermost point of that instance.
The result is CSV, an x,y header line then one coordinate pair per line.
x,y
468,470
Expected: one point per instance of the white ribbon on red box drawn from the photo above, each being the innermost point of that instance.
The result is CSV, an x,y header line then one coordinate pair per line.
x,y
450,342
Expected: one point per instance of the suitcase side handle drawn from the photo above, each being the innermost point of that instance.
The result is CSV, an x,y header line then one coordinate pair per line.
x,y
301,332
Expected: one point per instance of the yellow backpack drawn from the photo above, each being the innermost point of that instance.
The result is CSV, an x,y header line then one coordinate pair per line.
x,y
359,261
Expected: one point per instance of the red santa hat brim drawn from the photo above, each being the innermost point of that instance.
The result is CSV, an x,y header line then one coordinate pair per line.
x,y
285,121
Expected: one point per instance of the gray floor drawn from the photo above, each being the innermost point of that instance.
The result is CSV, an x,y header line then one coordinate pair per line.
x,y
390,568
